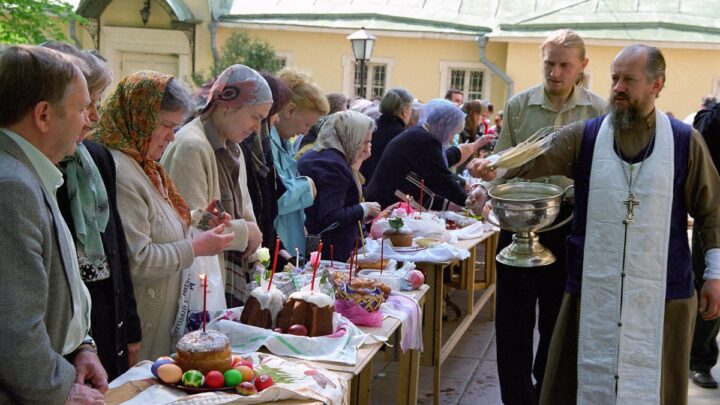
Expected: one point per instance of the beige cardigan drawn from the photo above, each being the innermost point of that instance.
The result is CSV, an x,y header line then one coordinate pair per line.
x,y
158,250
190,161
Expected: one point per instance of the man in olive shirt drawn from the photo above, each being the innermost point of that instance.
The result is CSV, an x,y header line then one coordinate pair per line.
x,y
559,100
624,330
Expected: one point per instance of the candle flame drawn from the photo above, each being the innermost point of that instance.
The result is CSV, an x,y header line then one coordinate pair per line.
x,y
202,277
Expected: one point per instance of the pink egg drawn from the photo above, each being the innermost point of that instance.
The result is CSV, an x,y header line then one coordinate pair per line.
x,y
170,373
415,278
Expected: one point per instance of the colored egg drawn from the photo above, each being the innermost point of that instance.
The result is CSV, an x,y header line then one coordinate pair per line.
x,y
159,362
214,379
193,378
232,378
170,373
246,372
236,360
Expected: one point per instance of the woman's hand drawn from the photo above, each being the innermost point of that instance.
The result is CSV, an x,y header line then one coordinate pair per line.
x,y
372,209
133,353
482,141
217,216
476,199
212,242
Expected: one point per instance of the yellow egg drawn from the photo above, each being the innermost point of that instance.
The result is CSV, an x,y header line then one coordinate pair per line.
x,y
170,373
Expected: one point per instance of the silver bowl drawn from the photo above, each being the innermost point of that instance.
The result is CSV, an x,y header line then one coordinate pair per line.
x,y
527,208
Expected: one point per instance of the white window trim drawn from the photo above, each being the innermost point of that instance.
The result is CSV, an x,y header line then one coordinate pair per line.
x,y
348,78
716,88
446,66
289,57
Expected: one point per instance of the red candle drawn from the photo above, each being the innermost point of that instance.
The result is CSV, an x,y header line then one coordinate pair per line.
x,y
382,249
331,256
277,249
316,265
422,188
204,316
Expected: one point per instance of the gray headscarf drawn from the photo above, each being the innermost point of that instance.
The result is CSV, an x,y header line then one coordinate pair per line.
x,y
345,131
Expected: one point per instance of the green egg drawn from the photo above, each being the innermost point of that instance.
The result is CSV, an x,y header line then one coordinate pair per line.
x,y
193,378
232,378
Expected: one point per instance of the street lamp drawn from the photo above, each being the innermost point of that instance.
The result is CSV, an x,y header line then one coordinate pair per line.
x,y
362,46
145,12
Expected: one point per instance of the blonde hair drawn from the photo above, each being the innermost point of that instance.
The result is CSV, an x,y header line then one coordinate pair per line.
x,y
567,38
306,95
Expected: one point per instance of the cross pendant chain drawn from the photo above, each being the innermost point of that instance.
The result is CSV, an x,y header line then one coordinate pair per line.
x,y
630,203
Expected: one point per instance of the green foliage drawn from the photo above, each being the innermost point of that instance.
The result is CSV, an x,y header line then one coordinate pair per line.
x,y
32,22
278,376
396,223
240,48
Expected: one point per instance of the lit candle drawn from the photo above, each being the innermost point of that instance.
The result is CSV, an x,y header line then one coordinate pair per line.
x,y
422,188
382,251
277,249
316,264
407,201
297,257
203,278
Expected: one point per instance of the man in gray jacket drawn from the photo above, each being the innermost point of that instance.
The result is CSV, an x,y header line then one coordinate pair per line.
x,y
47,356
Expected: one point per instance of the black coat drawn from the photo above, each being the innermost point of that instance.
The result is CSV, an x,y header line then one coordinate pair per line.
x,y
415,150
115,321
388,127
337,200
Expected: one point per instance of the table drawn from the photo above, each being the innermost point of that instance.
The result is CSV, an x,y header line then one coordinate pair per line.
x,y
435,351
361,372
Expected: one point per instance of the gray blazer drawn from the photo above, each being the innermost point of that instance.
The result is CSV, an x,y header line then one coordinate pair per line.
x,y
35,300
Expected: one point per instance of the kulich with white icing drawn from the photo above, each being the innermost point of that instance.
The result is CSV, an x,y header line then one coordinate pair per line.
x,y
204,351
314,297
262,307
272,300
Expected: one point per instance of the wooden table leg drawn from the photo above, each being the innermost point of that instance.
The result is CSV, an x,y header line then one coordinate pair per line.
x,y
409,363
490,269
470,280
360,387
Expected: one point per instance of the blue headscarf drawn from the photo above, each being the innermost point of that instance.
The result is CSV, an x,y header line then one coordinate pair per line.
x,y
442,119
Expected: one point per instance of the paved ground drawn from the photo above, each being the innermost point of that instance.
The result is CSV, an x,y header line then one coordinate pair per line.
x,y
469,375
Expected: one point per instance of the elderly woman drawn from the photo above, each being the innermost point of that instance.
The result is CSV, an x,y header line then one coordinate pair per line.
x,y
137,123
395,109
419,153
87,202
343,140
206,163
307,104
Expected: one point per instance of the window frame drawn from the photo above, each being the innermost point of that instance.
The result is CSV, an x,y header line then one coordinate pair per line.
x,y
446,68
348,86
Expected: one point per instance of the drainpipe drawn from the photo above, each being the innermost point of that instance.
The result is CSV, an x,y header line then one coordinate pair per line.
x,y
212,27
482,43
73,34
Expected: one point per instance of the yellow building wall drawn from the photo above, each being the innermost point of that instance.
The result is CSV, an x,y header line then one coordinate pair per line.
x,y
416,62
689,73
126,13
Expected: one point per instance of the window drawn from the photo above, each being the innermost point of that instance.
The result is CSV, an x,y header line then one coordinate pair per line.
x,y
282,62
470,82
468,77
378,76
375,79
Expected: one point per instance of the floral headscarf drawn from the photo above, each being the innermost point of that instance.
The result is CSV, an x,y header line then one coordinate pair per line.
x,y
129,117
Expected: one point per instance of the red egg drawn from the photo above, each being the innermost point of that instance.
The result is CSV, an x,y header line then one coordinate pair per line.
x,y
263,381
214,379
298,329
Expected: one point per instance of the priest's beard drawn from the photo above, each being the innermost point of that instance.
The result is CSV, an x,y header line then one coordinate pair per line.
x,y
623,118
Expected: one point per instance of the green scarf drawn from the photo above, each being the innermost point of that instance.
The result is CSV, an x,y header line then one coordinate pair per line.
x,y
88,203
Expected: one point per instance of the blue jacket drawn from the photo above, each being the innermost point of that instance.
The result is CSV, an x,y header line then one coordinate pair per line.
x,y
290,220
338,200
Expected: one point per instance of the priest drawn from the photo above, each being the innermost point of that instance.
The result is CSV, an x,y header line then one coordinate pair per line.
x,y
625,326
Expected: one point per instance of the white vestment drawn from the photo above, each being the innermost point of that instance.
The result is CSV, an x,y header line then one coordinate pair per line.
x,y
621,317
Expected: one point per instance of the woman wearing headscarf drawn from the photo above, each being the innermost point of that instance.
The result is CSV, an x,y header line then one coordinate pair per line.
x,y
343,139
295,193
137,123
206,163
395,109
87,202
472,133
261,180
420,152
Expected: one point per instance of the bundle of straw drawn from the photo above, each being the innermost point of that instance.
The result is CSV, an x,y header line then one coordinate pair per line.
x,y
537,144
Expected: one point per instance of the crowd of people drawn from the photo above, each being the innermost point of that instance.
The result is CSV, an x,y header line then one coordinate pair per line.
x,y
99,197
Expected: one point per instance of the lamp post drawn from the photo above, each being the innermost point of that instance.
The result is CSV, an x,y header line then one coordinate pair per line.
x,y
145,12
362,46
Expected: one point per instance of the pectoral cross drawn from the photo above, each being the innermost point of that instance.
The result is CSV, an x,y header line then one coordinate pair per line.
x,y
630,203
